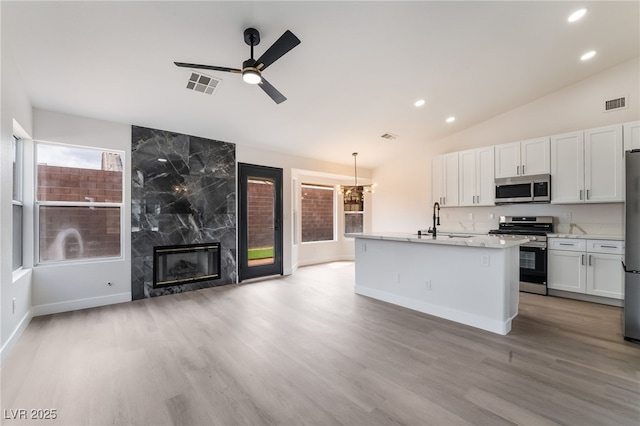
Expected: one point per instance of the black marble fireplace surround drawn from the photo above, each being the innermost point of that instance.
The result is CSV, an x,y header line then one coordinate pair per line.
x,y
183,191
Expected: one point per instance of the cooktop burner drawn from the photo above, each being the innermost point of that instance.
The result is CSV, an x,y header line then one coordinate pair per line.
x,y
524,225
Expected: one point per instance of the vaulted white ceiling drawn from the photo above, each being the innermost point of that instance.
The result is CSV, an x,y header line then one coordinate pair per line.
x,y
354,77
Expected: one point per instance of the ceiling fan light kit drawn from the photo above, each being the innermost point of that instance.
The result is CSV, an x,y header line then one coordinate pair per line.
x,y
251,68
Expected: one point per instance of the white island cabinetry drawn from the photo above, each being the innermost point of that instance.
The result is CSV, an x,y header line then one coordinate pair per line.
x,y
473,281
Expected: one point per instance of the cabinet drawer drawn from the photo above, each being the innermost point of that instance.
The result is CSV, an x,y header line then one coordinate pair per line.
x,y
567,244
605,246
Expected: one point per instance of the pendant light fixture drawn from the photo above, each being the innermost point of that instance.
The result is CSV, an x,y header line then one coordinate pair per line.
x,y
353,195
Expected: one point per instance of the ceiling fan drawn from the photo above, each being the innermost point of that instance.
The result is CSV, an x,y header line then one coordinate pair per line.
x,y
251,68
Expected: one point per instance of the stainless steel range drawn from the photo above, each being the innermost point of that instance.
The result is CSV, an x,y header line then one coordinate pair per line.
x,y
533,255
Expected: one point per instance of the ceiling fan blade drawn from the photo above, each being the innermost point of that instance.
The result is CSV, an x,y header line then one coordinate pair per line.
x,y
285,43
272,91
208,67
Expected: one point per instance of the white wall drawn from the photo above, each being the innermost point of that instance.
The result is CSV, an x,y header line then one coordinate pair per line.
x,y
300,168
15,106
77,285
403,198
70,286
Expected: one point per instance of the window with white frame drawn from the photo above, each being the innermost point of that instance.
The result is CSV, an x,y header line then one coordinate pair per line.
x,y
17,207
79,202
353,222
317,212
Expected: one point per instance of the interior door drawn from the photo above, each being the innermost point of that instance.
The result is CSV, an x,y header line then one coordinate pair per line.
x,y
260,221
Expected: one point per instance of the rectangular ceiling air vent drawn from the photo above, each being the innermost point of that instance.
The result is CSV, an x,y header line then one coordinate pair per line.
x,y
617,103
202,83
389,136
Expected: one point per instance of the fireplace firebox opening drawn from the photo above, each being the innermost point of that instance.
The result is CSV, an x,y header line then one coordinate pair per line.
x,y
185,264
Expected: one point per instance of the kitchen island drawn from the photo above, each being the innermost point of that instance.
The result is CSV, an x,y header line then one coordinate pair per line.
x,y
473,280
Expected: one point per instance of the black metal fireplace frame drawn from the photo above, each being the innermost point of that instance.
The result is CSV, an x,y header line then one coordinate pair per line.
x,y
185,248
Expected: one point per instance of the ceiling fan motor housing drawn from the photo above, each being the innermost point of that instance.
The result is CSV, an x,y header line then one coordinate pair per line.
x,y
250,73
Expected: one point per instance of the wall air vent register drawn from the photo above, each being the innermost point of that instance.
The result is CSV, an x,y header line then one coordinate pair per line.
x,y
389,136
617,103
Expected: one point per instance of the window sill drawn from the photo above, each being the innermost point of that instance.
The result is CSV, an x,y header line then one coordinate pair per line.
x,y
19,273
304,243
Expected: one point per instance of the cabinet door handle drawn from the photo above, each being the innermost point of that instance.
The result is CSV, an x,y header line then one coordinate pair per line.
x,y
589,260
517,170
581,194
582,259
523,170
603,246
566,244
588,194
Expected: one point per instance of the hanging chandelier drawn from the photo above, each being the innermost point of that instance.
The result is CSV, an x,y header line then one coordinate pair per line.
x,y
353,195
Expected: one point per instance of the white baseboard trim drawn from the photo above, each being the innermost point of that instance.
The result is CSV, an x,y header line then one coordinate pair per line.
x,y
74,305
326,259
488,324
15,336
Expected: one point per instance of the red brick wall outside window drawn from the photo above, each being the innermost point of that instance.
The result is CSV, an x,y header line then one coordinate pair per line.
x,y
261,201
78,231
317,211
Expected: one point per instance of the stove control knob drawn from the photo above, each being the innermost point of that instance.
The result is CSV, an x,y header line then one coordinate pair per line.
x,y
533,238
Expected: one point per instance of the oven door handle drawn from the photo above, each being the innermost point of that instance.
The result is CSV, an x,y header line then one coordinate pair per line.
x,y
533,244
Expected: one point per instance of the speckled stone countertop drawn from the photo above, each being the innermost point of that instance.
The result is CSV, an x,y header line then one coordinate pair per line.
x,y
458,240
588,236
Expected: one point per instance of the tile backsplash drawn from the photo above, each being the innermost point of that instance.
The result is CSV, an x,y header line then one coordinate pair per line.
x,y
596,219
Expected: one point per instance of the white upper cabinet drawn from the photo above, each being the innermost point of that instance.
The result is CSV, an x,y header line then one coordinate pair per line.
x,y
476,177
567,168
631,135
603,164
525,158
507,161
445,179
536,158
587,166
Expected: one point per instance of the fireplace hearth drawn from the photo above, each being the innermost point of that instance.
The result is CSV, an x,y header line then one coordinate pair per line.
x,y
185,264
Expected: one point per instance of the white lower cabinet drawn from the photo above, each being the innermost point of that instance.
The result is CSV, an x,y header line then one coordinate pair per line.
x,y
586,266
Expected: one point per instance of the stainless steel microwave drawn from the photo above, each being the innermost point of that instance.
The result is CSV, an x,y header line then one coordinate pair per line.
x,y
523,189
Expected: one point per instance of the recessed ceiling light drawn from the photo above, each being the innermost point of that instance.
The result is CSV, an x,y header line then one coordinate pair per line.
x,y
419,102
576,15
588,55
451,119
162,160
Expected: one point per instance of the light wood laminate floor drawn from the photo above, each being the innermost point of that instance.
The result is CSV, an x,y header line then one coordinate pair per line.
x,y
305,349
